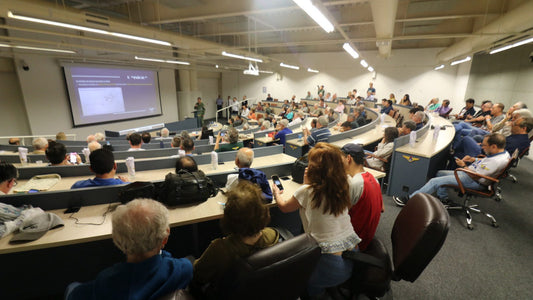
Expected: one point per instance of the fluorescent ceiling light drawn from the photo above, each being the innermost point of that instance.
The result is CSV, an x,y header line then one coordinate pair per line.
x,y
520,43
312,70
363,63
241,57
439,67
266,72
289,66
370,69
216,66
315,14
460,61
37,48
162,60
350,50
83,28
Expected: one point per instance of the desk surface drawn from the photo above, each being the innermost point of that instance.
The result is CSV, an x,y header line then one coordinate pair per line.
x,y
427,146
153,175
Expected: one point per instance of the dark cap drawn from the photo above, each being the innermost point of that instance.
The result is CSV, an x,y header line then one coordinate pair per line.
x,y
354,150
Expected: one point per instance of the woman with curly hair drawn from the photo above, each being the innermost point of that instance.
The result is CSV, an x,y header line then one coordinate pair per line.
x,y
324,201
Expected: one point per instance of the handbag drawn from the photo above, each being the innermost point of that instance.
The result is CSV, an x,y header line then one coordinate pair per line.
x,y
186,187
298,169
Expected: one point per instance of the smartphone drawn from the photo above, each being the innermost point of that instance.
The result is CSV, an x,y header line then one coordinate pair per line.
x,y
73,158
222,134
277,182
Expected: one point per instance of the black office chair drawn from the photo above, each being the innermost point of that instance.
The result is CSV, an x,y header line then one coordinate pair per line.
x,y
418,234
278,272
492,190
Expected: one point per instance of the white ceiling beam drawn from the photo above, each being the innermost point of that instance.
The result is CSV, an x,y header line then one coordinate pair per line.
x,y
384,16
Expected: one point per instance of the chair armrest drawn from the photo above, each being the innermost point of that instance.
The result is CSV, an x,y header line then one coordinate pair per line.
x,y
359,257
468,171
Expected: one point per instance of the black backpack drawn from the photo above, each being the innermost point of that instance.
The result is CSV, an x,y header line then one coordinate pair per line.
x,y
186,188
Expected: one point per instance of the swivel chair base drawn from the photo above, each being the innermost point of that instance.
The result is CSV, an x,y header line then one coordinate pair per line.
x,y
466,207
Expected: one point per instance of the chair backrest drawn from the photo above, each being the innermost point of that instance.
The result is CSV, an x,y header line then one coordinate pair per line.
x,y
278,272
418,234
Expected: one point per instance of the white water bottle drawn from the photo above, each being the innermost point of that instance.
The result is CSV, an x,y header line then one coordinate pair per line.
x,y
412,138
436,132
382,119
210,140
130,164
214,159
86,153
23,154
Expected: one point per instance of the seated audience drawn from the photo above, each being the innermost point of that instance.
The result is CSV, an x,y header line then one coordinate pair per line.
x,y
418,118
330,114
205,133
232,138
245,111
268,109
146,137
186,163
317,112
365,195
376,160
467,129
176,142
140,229
265,125
165,132
135,141
104,167
433,105
340,107
445,109
497,158
321,134
479,117
282,130
243,160
56,153
324,201
187,145
308,97
407,127
39,145
298,118
61,136
252,115
392,98
91,138
405,100
94,146
8,178
359,114
468,110
518,139
289,114
387,107
244,224
14,141
504,126
345,126
100,137
269,98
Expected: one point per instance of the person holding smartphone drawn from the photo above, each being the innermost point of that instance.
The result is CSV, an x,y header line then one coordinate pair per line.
x,y
324,201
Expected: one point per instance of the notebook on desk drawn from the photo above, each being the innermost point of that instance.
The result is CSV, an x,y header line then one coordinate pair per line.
x,y
39,183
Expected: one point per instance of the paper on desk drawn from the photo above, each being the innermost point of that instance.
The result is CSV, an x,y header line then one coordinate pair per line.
x,y
39,182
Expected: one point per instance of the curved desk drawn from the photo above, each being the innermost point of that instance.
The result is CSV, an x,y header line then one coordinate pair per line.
x,y
422,161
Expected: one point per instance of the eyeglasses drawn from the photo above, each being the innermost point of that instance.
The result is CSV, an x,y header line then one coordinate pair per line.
x,y
15,182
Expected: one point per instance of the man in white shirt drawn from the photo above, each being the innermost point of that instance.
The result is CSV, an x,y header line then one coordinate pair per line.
x,y
298,117
135,141
244,159
497,158
8,177
245,111
234,106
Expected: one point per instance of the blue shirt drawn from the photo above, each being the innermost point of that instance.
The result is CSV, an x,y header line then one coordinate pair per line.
x,y
149,279
386,109
419,125
96,182
281,135
516,141
319,135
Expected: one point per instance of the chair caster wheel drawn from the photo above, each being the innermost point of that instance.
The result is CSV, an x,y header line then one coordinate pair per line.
x,y
498,198
469,226
495,225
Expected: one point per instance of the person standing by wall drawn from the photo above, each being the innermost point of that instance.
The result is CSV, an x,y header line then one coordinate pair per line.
x,y
199,107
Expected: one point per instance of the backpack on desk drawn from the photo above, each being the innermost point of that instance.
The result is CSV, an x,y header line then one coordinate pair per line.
x,y
186,188
298,169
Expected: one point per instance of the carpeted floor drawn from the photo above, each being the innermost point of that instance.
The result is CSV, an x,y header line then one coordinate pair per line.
x,y
484,263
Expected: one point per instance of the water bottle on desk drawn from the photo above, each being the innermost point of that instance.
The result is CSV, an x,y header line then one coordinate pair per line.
x,y
214,160
130,165
23,154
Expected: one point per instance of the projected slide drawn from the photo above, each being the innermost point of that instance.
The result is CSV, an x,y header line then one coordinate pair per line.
x,y
101,94
101,101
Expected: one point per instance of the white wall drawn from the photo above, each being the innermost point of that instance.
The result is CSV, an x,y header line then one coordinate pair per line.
x,y
406,71
48,111
13,118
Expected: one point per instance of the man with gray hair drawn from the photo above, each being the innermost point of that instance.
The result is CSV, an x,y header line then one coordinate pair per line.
x,y
39,145
99,136
418,118
165,132
407,127
243,161
140,231
232,137
94,145
321,134
282,131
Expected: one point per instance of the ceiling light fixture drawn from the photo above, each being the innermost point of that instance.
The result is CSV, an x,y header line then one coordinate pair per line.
x,y
83,28
468,58
266,72
370,69
350,50
241,57
163,60
311,70
520,43
252,70
439,67
315,14
364,63
289,66
37,48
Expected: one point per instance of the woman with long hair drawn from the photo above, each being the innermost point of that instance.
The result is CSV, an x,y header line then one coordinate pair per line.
x,y
323,201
